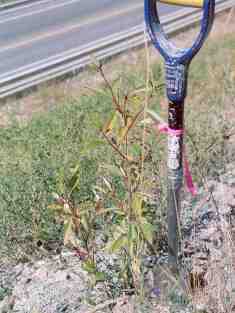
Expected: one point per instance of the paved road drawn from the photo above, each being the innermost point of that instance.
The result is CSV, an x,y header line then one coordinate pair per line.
x,y
41,30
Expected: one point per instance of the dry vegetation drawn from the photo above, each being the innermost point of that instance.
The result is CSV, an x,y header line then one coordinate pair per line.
x,y
62,150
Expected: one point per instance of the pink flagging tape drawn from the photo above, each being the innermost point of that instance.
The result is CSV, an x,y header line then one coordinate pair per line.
x,y
164,128
188,176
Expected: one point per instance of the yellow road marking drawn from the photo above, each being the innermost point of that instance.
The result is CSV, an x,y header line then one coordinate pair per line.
x,y
190,3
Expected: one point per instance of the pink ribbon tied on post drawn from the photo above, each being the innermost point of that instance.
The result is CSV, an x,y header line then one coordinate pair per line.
x,y
165,129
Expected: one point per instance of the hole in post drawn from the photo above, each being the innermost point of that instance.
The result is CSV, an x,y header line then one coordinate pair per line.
x,y
182,33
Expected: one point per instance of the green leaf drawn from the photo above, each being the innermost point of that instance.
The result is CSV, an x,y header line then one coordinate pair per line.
x,y
89,266
100,276
111,210
132,233
136,99
147,229
55,207
132,238
136,264
75,170
68,230
85,223
75,180
117,244
112,123
123,131
137,203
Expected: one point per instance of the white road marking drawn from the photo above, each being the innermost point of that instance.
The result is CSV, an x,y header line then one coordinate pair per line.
x,y
26,6
68,28
38,11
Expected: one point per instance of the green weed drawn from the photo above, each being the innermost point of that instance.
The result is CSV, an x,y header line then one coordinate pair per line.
x,y
36,157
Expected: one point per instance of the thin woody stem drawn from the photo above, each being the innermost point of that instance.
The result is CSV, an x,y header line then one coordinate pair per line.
x,y
125,157
115,100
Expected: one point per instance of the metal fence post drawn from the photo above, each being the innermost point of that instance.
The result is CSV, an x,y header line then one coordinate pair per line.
x,y
177,63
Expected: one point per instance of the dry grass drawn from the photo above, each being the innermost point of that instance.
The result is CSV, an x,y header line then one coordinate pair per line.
x,y
206,95
214,290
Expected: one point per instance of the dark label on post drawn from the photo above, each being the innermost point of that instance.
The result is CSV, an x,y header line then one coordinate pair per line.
x,y
175,81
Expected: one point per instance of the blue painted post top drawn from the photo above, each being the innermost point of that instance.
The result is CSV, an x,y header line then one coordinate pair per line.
x,y
177,60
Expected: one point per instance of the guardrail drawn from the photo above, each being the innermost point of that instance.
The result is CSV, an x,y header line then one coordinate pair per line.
x,y
16,4
72,60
